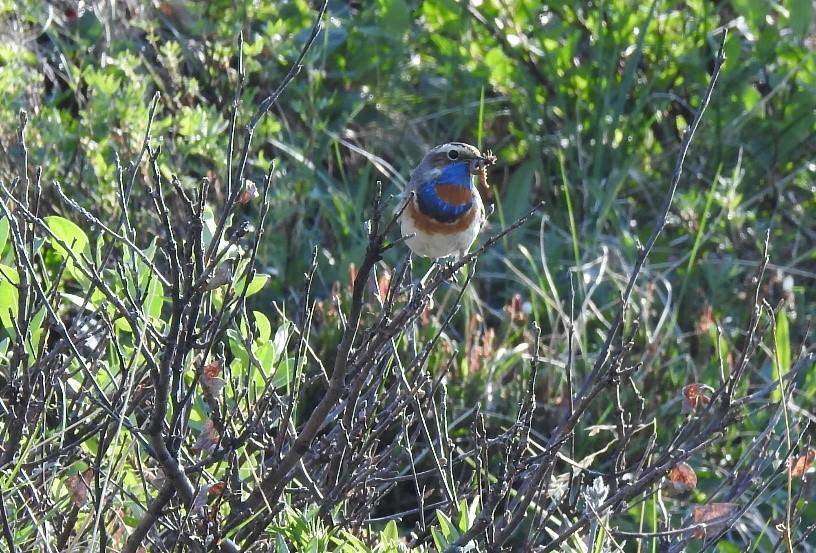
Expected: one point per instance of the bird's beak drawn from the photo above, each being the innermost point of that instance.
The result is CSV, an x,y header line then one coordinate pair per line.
x,y
478,164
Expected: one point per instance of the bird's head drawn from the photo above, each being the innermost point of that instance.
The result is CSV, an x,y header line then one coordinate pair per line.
x,y
452,153
454,161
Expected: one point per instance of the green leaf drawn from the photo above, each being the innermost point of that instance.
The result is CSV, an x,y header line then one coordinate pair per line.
x,y
257,283
122,324
391,532
154,299
8,294
801,15
4,233
269,359
782,360
281,339
283,373
439,539
280,545
519,188
263,326
464,521
725,547
266,355
69,232
449,531
209,225
142,267
237,348
36,329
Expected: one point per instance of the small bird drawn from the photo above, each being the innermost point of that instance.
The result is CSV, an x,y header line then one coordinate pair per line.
x,y
446,213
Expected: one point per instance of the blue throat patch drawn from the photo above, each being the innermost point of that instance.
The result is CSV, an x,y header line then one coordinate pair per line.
x,y
430,204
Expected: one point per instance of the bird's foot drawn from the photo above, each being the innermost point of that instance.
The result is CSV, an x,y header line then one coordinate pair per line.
x,y
446,267
417,295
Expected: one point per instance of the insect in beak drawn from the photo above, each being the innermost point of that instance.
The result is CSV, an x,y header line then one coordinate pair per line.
x,y
479,164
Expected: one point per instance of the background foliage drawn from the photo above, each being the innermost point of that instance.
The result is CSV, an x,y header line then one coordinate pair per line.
x,y
585,105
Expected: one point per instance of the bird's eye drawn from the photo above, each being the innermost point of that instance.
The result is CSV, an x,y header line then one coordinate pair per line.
x,y
453,154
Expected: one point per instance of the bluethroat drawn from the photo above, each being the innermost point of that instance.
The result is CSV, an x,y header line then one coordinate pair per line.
x,y
446,212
